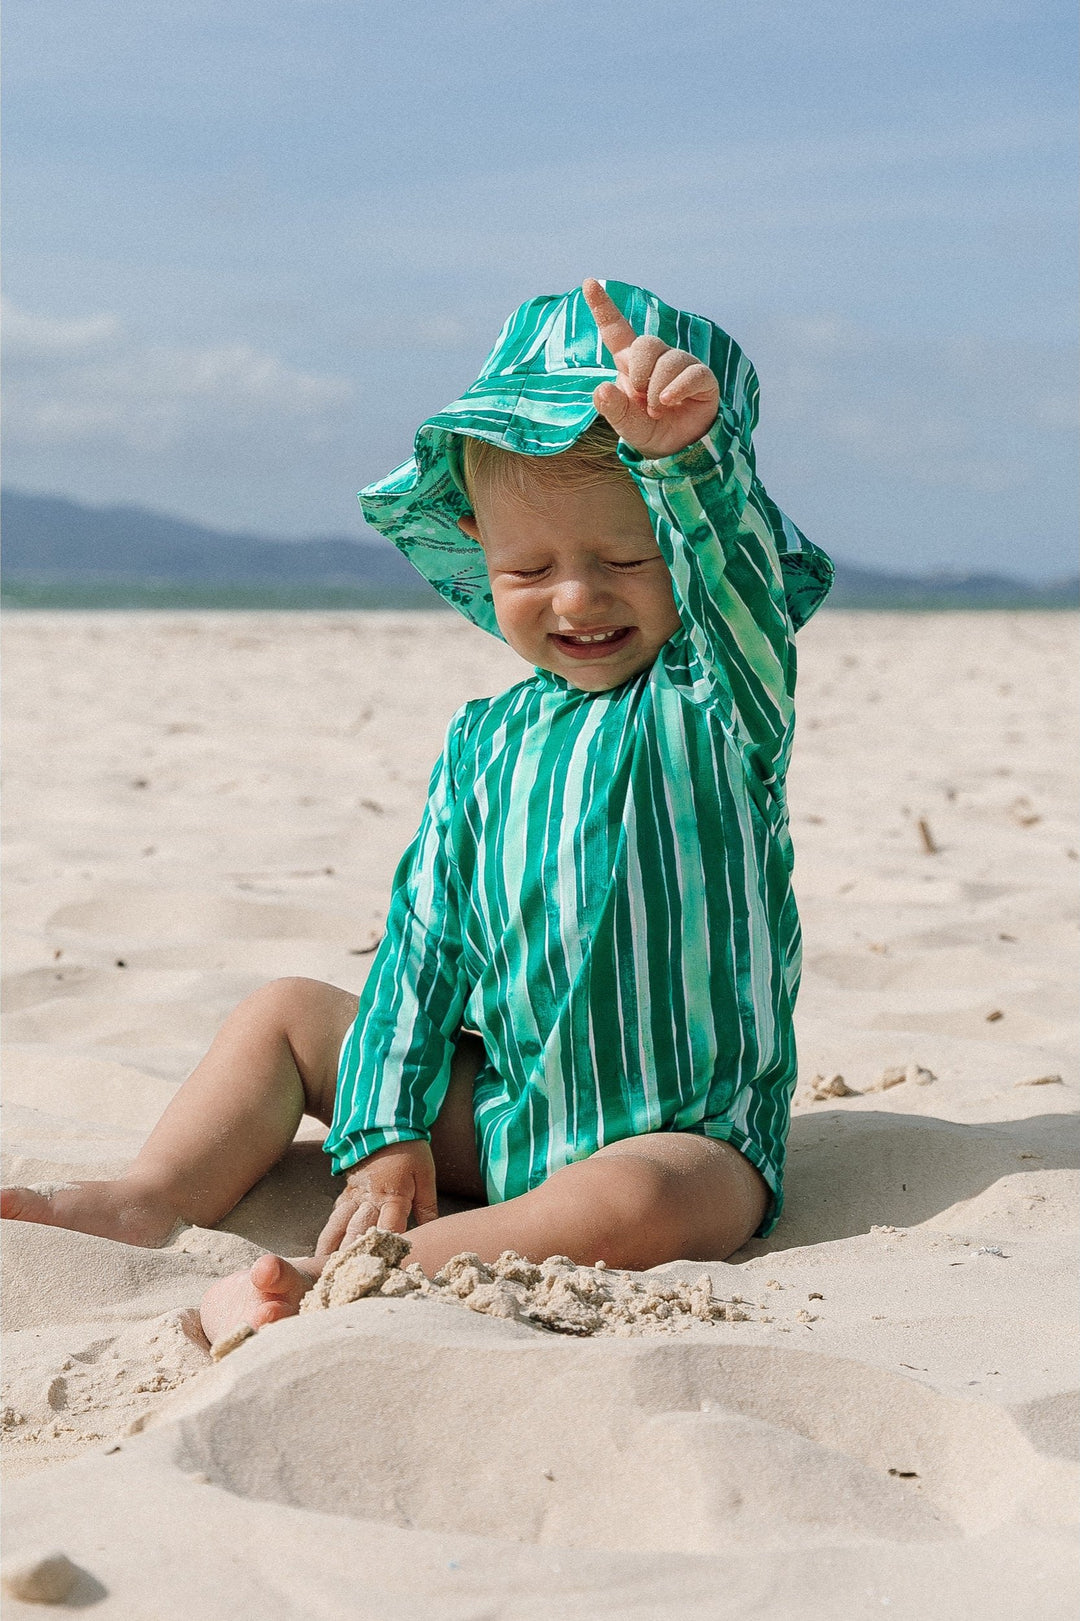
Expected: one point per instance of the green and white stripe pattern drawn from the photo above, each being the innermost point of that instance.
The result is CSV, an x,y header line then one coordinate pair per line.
x,y
601,882
534,396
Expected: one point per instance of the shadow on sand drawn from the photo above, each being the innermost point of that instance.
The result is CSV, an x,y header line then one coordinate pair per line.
x,y
848,1172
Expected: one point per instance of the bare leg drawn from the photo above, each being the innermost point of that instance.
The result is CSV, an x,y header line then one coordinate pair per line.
x,y
638,1203
274,1060
274,1287
664,1197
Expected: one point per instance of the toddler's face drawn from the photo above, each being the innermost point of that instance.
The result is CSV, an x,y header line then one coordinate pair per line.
x,y
579,584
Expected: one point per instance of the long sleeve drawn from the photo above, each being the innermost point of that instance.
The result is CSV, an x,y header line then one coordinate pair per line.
x,y
395,1062
729,587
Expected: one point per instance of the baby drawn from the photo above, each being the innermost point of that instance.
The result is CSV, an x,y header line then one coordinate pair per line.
x,y
580,1016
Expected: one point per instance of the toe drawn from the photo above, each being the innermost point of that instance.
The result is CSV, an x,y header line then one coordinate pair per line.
x,y
269,1275
23,1204
270,1311
277,1280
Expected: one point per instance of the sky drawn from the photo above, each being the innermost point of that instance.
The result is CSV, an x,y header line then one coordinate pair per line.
x,y
250,244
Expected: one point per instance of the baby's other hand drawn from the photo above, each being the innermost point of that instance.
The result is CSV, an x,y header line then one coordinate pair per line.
x,y
664,399
383,1191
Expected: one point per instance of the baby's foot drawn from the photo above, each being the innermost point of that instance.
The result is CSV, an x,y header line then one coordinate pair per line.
x,y
127,1211
272,1289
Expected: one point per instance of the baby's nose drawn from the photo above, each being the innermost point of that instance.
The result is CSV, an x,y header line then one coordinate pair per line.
x,y
578,595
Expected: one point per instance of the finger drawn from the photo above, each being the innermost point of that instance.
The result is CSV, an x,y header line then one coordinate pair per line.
x,y
360,1221
624,413
616,333
335,1230
697,382
394,1212
613,404
425,1203
643,354
664,373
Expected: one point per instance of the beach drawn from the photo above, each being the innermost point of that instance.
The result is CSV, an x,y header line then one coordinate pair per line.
x,y
197,803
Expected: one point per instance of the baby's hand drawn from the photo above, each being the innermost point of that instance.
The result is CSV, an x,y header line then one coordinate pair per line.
x,y
383,1191
664,399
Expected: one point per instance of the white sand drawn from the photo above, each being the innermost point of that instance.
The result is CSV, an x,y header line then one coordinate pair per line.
x,y
213,800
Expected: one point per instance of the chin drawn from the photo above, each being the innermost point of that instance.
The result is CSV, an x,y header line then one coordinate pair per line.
x,y
602,680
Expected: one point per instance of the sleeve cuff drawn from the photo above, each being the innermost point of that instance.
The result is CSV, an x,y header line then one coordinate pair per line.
x,y
693,463
348,1152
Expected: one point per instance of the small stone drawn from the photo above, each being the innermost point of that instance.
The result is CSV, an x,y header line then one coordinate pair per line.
x,y
832,1086
894,1076
40,1579
228,1342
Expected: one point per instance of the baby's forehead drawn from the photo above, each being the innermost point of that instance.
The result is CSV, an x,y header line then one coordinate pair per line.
x,y
607,517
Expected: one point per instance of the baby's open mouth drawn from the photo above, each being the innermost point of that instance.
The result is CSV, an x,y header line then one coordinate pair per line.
x,y
593,643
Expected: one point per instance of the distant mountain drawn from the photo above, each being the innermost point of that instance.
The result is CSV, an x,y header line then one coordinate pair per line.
x,y
51,545
60,553
858,587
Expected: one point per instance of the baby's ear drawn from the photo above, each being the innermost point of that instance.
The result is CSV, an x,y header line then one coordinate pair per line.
x,y
469,526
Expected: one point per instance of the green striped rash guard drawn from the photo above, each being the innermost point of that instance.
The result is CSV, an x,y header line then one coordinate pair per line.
x,y
601,883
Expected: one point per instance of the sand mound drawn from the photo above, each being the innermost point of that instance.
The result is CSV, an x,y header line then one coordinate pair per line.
x,y
555,1294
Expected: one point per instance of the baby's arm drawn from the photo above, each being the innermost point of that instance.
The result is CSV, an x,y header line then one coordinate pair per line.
x,y
395,1062
682,444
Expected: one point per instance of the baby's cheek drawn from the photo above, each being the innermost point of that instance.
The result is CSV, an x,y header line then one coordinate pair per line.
x,y
518,625
659,608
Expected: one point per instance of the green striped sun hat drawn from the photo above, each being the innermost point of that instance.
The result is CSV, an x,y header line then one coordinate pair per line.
x,y
534,396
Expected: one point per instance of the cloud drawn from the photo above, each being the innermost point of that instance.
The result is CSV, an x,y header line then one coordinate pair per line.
x,y
41,337
972,415
88,381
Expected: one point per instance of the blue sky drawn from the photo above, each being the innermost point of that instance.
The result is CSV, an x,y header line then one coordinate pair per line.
x,y
249,246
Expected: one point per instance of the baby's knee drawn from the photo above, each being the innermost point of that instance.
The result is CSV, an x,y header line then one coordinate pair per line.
x,y
284,1001
307,1014
636,1217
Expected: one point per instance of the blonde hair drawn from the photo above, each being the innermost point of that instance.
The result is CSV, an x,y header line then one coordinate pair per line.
x,y
592,459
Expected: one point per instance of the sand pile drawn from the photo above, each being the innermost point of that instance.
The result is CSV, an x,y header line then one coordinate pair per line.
x,y
555,1294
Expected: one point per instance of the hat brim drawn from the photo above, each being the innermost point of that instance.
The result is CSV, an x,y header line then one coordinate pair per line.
x,y
418,505
534,397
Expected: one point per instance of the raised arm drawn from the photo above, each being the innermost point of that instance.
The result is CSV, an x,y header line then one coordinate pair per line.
x,y
680,441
